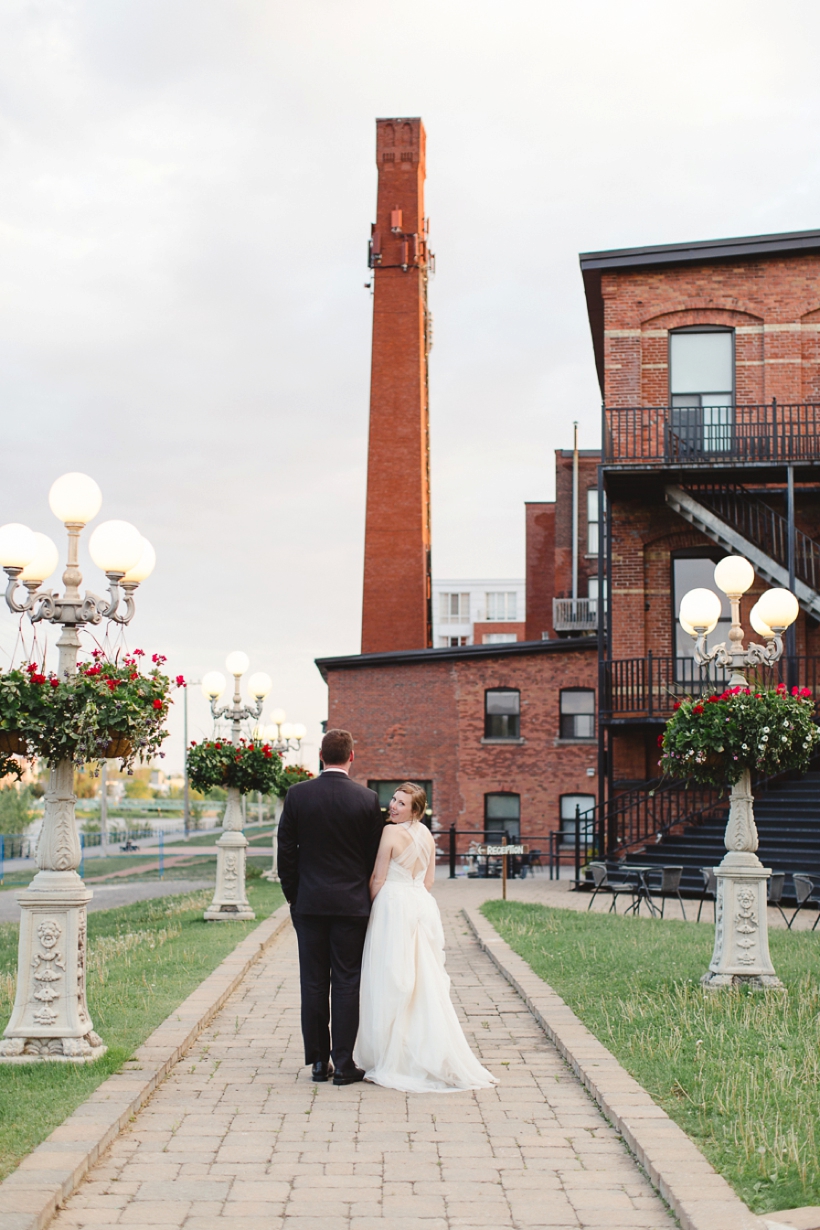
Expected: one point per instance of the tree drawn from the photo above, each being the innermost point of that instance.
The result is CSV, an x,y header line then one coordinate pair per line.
x,y
15,809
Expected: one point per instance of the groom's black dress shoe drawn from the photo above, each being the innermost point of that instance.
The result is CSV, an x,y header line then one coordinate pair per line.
x,y
320,1071
348,1078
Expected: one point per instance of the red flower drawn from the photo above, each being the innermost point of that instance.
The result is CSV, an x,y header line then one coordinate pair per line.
x,y
218,745
158,659
38,678
133,675
32,668
660,740
139,653
267,754
55,683
157,703
781,689
676,705
713,700
111,684
795,691
805,691
180,681
697,709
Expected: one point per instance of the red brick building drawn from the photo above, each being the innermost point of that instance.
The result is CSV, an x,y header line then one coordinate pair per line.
x,y
708,357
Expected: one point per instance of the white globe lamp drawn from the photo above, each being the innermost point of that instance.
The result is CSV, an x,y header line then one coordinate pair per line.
x,y
278,716
778,608
734,574
260,684
75,499
700,610
115,546
18,545
45,561
144,566
299,732
287,730
213,685
759,625
237,663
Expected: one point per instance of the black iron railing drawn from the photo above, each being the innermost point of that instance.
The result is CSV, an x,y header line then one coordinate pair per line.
x,y
649,687
712,435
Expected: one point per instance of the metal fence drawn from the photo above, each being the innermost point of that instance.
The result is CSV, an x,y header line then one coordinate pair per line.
x,y
712,435
457,847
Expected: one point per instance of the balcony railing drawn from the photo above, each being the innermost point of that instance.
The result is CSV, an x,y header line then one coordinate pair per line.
x,y
648,687
575,614
712,435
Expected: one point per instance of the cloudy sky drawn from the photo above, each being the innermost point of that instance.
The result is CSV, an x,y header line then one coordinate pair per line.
x,y
186,191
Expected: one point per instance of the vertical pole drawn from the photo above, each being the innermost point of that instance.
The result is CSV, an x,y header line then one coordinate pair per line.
x,y
186,806
104,809
791,632
504,870
577,845
161,853
452,851
575,523
259,806
82,856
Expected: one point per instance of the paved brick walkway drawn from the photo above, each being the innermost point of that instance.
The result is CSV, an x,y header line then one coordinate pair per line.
x,y
238,1138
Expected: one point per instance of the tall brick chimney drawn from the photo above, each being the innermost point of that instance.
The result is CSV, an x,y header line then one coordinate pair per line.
x,y
397,609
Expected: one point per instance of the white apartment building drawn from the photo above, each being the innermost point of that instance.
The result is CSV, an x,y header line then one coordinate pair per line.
x,y
461,607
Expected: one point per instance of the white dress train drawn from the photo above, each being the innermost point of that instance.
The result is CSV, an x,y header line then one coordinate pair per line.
x,y
409,1035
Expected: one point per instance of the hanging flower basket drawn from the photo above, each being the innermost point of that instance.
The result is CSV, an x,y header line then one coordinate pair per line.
x,y
714,740
117,748
12,743
248,766
291,775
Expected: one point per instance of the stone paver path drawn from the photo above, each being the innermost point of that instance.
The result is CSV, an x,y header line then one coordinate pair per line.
x,y
238,1138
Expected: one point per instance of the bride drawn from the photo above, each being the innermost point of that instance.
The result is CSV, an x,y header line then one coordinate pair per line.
x,y
409,1035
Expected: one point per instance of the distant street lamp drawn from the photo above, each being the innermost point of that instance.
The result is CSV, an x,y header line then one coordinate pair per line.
x,y
741,952
230,896
284,736
50,1019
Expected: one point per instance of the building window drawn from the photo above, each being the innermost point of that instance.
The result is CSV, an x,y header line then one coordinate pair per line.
x,y
584,804
577,713
592,521
502,814
386,789
701,388
498,638
449,642
501,607
454,608
502,714
695,572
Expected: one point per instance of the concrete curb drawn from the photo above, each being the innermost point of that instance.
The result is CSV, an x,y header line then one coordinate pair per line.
x,y
31,1195
698,1195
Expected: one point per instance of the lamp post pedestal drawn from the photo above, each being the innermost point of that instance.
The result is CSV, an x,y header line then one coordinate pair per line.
x,y
272,873
50,1018
741,953
230,897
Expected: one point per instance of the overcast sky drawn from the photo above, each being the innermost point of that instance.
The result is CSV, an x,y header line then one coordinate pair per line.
x,y
186,192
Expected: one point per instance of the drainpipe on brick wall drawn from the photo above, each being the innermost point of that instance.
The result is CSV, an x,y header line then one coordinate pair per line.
x,y
575,520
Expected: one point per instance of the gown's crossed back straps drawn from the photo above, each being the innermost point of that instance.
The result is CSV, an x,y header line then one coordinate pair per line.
x,y
415,857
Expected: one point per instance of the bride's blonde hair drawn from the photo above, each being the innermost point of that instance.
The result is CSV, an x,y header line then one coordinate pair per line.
x,y
419,797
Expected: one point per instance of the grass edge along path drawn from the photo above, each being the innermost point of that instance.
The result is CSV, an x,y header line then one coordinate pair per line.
x,y
143,961
738,1071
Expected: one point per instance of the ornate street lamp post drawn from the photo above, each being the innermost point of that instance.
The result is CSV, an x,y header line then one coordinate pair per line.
x,y
741,953
50,1018
283,737
230,896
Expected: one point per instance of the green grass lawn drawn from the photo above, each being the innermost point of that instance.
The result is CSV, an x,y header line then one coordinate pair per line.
x,y
143,961
738,1071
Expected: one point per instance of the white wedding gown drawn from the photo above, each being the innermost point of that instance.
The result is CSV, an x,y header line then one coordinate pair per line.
x,y
409,1035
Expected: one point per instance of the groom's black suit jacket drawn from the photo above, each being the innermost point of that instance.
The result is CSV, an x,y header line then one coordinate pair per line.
x,y
329,834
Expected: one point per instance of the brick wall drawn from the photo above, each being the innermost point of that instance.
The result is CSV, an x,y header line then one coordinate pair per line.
x,y
426,720
540,544
588,463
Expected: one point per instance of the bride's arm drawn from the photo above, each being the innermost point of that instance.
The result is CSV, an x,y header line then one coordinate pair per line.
x,y
382,861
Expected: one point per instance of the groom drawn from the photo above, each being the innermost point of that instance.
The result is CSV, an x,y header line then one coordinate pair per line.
x,y
328,837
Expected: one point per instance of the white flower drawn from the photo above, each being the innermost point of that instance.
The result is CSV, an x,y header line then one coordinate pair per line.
x,y
745,746
765,730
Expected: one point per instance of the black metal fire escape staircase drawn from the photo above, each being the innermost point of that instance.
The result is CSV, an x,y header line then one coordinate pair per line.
x,y
745,525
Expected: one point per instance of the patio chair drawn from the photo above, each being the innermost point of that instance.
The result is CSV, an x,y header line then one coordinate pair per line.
x,y
806,894
709,889
669,886
603,884
774,892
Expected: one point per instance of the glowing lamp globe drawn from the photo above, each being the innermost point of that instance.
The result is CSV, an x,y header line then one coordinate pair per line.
x,y
688,628
699,609
299,731
258,734
44,562
734,574
271,734
18,545
759,625
115,546
278,716
213,685
237,663
144,566
75,499
260,684
778,608
287,730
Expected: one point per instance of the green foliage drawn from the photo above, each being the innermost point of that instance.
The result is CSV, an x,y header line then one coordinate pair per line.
x,y
714,740
248,765
144,959
15,809
739,1071
77,717
291,774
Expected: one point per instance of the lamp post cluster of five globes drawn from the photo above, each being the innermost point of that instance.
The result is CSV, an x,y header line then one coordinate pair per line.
x,y
50,1018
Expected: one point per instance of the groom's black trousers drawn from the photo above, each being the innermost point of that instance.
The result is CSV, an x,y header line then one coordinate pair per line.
x,y
330,970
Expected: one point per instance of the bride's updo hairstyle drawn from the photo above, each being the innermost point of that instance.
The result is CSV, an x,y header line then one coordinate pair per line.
x,y
419,797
